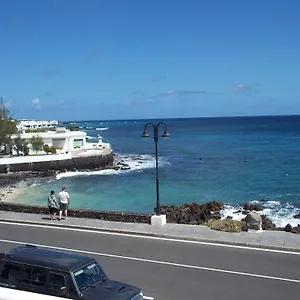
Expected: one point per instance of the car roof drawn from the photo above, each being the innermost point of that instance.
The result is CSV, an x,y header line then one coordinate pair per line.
x,y
48,258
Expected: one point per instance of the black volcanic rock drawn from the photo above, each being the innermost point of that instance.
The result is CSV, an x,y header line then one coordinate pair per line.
x,y
267,224
250,207
296,229
192,213
288,228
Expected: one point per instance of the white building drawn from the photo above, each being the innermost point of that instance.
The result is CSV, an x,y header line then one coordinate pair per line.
x,y
66,141
33,124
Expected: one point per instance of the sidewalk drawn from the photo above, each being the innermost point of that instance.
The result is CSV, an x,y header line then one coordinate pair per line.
x,y
265,239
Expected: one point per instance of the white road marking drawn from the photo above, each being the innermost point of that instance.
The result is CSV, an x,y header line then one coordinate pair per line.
x,y
140,236
157,262
148,298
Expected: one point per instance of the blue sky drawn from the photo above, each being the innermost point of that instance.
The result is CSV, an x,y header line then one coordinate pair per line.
x,y
123,59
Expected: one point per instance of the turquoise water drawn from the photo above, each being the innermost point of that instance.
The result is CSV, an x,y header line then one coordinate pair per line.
x,y
234,160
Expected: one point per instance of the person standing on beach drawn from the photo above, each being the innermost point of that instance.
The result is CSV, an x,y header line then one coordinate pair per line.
x,y
64,201
52,205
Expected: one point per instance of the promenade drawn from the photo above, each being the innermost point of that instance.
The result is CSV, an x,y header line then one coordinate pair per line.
x,y
265,239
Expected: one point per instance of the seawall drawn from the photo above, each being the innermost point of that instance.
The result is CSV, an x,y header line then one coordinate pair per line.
x,y
79,213
75,163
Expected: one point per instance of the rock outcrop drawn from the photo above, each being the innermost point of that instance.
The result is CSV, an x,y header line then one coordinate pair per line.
x,y
267,224
251,207
253,221
194,213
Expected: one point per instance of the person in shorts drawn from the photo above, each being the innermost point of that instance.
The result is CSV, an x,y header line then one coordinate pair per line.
x,y
64,201
52,205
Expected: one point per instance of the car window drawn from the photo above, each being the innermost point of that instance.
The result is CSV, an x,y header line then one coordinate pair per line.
x,y
11,272
35,276
88,276
55,283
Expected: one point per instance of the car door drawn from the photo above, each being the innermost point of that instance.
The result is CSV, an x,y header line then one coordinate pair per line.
x,y
57,284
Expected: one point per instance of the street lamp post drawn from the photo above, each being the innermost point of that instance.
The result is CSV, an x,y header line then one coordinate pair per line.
x,y
165,135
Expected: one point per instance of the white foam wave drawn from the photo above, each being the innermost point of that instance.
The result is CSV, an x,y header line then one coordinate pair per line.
x,y
280,214
102,128
129,163
85,173
232,211
86,127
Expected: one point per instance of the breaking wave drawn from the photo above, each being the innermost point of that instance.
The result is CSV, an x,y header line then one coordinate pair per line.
x,y
132,162
102,128
279,213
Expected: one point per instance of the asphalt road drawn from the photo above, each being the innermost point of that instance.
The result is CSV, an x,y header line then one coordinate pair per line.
x,y
171,270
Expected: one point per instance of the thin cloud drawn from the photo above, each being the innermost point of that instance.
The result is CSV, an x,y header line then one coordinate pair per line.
x,y
159,78
246,89
48,93
168,94
182,93
50,72
133,102
129,102
36,103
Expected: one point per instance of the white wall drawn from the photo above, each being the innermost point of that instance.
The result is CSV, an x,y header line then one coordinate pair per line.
x,y
10,294
38,158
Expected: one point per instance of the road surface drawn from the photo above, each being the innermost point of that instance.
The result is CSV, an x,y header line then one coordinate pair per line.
x,y
172,270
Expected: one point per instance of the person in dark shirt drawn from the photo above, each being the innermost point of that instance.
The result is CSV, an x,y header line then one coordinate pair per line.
x,y
52,205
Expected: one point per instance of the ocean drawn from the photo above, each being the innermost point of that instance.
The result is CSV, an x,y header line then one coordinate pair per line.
x,y
232,159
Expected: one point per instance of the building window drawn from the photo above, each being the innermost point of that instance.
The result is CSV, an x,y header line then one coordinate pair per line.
x,y
77,143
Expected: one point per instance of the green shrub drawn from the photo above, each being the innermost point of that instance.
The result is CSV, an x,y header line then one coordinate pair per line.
x,y
26,150
46,148
37,130
226,225
52,150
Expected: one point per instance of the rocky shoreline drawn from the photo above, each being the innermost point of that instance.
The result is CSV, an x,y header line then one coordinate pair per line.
x,y
200,214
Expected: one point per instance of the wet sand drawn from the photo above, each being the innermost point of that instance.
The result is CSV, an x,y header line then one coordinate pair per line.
x,y
12,185
11,193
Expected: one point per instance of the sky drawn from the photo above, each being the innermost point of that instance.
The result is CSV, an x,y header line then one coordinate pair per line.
x,y
132,59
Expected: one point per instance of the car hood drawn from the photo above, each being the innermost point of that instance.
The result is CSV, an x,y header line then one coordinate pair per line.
x,y
111,289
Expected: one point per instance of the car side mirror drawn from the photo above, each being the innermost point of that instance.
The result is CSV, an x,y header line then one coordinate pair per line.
x,y
63,291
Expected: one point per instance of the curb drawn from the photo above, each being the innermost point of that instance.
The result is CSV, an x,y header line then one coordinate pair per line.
x,y
158,235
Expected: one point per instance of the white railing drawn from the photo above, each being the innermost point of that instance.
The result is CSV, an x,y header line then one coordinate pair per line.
x,y
34,158
89,146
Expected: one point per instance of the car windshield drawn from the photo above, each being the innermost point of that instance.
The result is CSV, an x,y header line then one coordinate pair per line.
x,y
89,276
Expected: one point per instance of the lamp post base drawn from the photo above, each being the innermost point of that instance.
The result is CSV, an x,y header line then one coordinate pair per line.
x,y
158,220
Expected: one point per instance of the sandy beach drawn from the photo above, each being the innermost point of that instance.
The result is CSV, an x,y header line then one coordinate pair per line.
x,y
13,185
11,193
